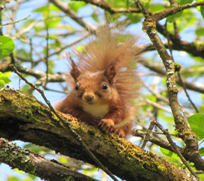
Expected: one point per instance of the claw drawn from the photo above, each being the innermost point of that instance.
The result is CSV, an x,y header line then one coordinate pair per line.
x,y
119,132
107,125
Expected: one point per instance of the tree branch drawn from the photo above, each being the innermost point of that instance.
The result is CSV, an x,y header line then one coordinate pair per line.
x,y
107,7
24,118
184,132
16,157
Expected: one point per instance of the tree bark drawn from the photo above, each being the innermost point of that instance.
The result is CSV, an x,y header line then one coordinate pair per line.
x,y
29,162
22,117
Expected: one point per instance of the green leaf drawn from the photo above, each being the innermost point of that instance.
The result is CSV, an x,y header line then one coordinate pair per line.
x,y
52,23
6,46
202,11
76,5
2,84
156,7
95,17
166,152
46,8
169,154
3,80
80,48
13,178
171,18
181,2
25,88
51,65
201,150
196,122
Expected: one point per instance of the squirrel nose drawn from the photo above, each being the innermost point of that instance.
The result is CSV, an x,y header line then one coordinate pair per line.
x,y
89,97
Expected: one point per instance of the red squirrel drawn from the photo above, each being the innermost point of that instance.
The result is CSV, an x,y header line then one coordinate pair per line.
x,y
104,82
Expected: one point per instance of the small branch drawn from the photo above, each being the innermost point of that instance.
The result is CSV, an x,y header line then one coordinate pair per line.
x,y
157,141
143,9
185,90
107,7
157,105
189,85
147,136
12,155
178,44
67,125
1,25
156,94
165,131
68,11
47,53
174,9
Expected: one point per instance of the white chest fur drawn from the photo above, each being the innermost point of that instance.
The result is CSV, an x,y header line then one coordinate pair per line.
x,y
96,110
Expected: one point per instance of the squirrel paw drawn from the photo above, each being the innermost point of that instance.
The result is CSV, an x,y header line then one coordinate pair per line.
x,y
107,125
119,132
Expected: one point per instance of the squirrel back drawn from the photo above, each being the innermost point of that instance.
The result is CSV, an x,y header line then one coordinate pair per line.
x,y
104,82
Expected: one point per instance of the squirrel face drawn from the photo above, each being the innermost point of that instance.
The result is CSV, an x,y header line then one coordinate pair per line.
x,y
93,88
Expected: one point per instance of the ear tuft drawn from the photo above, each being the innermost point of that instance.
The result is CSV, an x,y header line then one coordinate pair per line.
x,y
110,73
74,71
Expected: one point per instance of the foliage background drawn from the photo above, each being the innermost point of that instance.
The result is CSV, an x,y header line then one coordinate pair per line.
x,y
68,32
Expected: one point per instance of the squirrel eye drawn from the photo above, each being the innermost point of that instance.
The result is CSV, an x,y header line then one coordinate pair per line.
x,y
105,86
76,87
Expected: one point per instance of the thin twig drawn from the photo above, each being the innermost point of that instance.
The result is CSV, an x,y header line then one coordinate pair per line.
x,y
186,92
15,21
147,136
143,9
47,53
66,124
165,131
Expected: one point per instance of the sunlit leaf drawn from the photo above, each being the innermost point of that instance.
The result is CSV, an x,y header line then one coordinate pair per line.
x,y
181,2
166,152
201,150
196,122
76,5
174,16
202,11
6,46
4,78
2,84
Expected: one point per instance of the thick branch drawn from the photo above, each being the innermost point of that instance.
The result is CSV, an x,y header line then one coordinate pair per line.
x,y
23,117
185,133
177,44
16,157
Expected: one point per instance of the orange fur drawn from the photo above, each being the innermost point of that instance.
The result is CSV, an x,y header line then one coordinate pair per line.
x,y
104,82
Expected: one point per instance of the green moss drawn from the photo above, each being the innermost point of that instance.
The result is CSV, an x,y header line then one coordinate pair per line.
x,y
177,67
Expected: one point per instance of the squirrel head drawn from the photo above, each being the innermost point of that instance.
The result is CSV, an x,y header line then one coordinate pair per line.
x,y
93,87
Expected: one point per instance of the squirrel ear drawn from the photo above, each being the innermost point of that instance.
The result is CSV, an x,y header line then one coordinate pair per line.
x,y
110,73
74,71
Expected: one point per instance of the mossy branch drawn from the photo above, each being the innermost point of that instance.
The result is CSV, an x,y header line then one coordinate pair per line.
x,y
24,118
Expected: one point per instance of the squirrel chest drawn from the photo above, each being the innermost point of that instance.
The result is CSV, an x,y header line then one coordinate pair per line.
x,y
96,110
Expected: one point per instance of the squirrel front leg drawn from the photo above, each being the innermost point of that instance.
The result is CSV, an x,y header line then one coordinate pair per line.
x,y
109,121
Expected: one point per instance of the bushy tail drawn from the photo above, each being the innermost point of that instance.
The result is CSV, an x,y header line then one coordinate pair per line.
x,y
112,46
